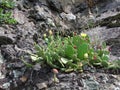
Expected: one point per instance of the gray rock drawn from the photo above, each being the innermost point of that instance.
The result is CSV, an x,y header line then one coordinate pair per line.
x,y
79,7
16,65
65,77
69,16
2,76
19,16
50,22
64,26
114,44
37,67
81,83
17,73
40,13
1,58
41,86
6,85
54,88
100,34
117,88
91,85
8,52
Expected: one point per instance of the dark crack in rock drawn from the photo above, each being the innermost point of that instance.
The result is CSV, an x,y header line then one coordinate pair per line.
x,y
55,5
5,39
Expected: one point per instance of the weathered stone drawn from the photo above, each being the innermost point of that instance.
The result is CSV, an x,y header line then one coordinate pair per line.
x,y
79,7
64,26
19,16
50,22
16,65
17,73
8,52
37,67
91,85
2,76
1,58
40,13
41,86
69,16
80,82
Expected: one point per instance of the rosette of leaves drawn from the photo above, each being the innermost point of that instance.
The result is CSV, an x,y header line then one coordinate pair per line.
x,y
68,54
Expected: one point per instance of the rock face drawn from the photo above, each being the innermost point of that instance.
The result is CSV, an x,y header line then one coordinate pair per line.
x,y
55,5
115,45
19,16
36,17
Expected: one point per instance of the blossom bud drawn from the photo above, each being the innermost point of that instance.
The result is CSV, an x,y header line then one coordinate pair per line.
x,y
75,47
50,32
55,71
109,49
86,55
95,58
44,35
75,33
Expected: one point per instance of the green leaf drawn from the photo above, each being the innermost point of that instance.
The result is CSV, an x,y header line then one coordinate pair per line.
x,y
69,51
76,40
49,60
104,63
69,70
104,45
40,51
97,64
105,57
34,57
61,63
114,65
82,49
27,64
64,60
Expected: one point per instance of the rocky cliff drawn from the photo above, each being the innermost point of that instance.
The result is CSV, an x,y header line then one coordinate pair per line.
x,y
36,17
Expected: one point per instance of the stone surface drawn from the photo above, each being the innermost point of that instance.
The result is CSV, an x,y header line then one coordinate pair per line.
x,y
41,13
38,17
41,86
79,7
19,16
8,52
69,16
